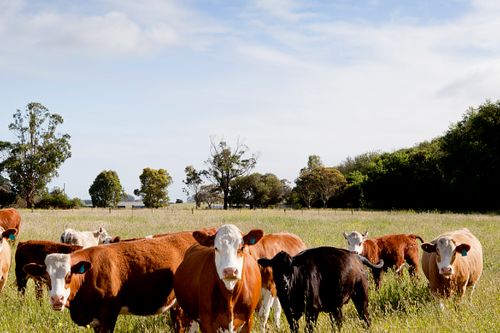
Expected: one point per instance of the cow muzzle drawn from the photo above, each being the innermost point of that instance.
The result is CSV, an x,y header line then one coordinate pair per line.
x,y
57,302
230,273
446,271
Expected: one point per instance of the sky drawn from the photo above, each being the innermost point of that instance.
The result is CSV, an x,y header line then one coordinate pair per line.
x,y
148,83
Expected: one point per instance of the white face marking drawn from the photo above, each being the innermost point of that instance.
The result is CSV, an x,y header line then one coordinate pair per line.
x,y
355,242
58,266
445,250
228,262
193,327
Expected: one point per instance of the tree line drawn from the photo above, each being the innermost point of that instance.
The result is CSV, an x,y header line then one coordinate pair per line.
x,y
455,172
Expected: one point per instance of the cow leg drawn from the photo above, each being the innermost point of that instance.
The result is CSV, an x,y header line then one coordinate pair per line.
x,y
377,277
277,312
38,290
265,308
311,318
360,299
21,279
107,320
336,317
412,260
294,325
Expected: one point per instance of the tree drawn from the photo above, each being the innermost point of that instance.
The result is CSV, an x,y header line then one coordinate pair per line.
x,y
153,189
106,191
209,194
330,181
306,186
33,161
193,183
225,164
471,159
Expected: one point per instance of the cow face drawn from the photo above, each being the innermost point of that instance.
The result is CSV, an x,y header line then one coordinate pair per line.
x,y
59,272
446,252
102,236
282,273
355,241
229,244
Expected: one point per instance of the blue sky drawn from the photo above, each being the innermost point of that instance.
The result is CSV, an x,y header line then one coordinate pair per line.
x,y
146,83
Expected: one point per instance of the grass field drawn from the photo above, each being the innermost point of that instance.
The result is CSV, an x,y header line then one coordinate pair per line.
x,y
400,306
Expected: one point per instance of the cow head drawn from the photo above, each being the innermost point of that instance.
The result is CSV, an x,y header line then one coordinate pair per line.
x,y
355,241
102,236
446,252
282,268
59,272
8,234
229,244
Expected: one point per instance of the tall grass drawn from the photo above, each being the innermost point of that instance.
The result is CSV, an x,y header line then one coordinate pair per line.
x,y
401,305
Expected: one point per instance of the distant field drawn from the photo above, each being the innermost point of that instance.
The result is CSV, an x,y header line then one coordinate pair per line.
x,y
400,305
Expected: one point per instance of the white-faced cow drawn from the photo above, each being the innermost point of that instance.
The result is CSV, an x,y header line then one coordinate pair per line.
x,y
320,279
218,283
100,282
10,219
86,238
452,262
268,247
35,251
394,250
5,254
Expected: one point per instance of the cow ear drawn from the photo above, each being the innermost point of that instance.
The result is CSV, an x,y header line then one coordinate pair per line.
x,y
10,234
81,267
463,249
428,247
345,234
365,235
253,237
35,269
204,238
116,239
264,262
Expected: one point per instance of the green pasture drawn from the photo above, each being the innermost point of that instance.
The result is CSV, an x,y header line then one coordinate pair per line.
x,y
401,305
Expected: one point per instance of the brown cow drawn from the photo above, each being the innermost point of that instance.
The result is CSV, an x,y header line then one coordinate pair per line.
x,y
218,283
394,250
98,283
5,256
10,218
35,251
268,246
452,262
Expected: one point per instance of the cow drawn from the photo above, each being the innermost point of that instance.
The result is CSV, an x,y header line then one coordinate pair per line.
x,y
452,262
320,279
218,282
5,254
10,218
268,246
394,250
86,238
100,282
35,251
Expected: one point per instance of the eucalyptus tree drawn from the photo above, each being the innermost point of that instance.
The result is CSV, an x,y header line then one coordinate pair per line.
x,y
32,161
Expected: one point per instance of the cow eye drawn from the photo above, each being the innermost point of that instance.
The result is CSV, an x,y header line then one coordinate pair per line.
x,y
216,249
67,278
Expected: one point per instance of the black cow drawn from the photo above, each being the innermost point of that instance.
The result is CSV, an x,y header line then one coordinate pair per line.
x,y
320,279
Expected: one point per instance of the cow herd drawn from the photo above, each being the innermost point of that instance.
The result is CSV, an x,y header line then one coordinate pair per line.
x,y
214,279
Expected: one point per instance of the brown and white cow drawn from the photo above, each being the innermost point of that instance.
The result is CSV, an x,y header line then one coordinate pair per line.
x,y
268,246
10,218
35,251
100,282
5,254
452,262
394,250
218,283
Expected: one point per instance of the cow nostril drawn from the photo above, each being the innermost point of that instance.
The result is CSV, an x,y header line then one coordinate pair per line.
x,y
230,272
